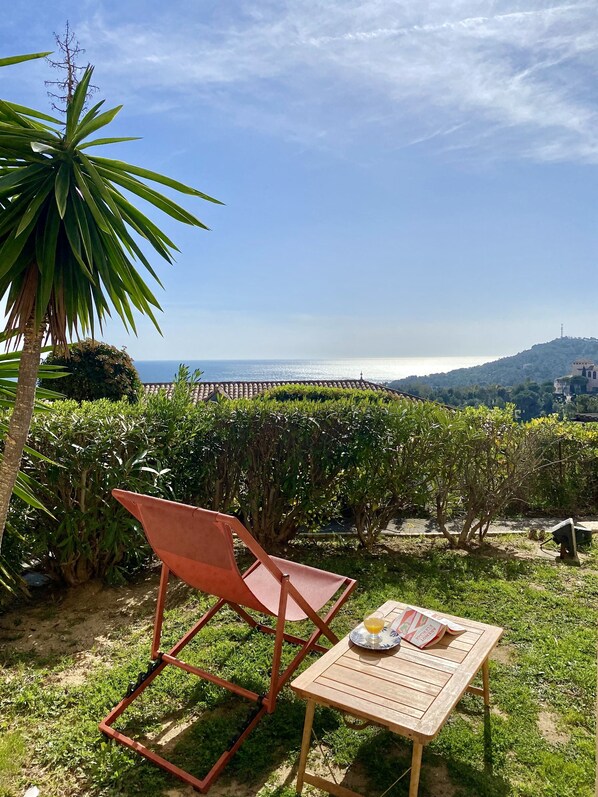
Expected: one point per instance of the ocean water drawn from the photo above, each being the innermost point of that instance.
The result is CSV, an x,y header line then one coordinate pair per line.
x,y
373,369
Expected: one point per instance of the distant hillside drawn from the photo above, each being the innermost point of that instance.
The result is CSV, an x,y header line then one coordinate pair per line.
x,y
543,362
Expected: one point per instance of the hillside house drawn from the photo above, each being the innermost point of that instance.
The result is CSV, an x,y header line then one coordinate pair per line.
x,y
586,369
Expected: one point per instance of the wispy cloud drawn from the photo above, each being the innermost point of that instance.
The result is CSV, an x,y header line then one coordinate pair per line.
x,y
510,77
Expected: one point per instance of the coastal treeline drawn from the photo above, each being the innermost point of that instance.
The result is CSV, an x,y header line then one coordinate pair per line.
x,y
530,399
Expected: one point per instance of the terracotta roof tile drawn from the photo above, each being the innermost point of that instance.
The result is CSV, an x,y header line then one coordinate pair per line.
x,y
203,391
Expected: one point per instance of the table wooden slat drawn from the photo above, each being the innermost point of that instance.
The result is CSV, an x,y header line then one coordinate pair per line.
x,y
448,652
417,670
373,684
417,656
392,715
393,676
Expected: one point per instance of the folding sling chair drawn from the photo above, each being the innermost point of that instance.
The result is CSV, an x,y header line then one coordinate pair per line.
x,y
197,546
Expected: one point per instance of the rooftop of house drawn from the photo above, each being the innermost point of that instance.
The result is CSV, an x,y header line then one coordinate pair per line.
x,y
205,391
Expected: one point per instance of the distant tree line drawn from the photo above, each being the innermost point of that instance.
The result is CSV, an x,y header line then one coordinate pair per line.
x,y
532,399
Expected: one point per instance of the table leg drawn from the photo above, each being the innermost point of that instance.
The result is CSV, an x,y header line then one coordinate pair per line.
x,y
416,765
486,683
305,744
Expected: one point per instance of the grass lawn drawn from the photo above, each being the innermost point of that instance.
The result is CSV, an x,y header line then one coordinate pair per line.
x,y
67,659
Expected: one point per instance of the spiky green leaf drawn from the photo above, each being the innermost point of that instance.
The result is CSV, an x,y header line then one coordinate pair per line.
x,y
98,142
61,188
75,107
99,121
18,59
155,177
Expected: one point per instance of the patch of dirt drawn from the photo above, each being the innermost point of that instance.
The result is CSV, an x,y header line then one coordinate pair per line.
x,y
78,673
174,728
525,551
439,782
498,712
504,654
231,789
351,777
83,618
547,725
171,732
437,779
285,775
515,548
538,587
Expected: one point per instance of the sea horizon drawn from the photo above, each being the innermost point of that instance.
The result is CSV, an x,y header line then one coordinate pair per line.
x,y
372,369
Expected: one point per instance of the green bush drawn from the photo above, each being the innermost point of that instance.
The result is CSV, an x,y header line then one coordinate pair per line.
x,y
390,467
278,466
287,466
566,481
300,392
205,469
94,447
482,460
95,370
293,456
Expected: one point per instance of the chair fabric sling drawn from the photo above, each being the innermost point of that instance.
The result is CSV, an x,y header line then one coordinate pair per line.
x,y
196,545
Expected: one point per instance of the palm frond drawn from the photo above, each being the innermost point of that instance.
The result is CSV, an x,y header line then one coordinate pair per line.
x,y
71,239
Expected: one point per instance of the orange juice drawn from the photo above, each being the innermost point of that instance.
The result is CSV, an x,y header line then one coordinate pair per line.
x,y
374,624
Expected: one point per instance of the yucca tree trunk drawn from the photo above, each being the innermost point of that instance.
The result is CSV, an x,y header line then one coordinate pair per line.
x,y
20,420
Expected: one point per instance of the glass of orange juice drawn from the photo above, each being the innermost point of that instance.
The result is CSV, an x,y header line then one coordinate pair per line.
x,y
374,623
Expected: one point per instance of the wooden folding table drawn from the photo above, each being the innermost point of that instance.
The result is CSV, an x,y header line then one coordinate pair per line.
x,y
407,690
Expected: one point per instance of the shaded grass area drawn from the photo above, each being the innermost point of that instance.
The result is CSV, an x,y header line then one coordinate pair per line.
x,y
538,738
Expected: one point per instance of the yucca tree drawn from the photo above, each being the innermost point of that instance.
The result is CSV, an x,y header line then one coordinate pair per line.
x,y
71,242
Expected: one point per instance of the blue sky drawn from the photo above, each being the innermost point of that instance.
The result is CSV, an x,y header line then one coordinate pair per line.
x,y
400,179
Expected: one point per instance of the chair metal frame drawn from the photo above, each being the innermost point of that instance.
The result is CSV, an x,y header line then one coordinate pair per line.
x,y
264,703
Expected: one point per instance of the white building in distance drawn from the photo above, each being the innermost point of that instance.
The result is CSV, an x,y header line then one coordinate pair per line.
x,y
580,367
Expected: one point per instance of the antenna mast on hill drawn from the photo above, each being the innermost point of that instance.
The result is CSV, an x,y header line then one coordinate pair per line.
x,y
561,330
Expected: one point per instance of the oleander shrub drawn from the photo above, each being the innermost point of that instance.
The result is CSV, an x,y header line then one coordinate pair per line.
x,y
208,459
200,445
483,458
278,466
93,447
566,481
283,467
95,370
389,472
316,394
294,458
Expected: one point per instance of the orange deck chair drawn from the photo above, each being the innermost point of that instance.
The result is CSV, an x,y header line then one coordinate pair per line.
x,y
197,546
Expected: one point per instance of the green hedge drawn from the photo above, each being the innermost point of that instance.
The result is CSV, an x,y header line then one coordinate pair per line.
x,y
567,480
94,447
286,466
320,394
